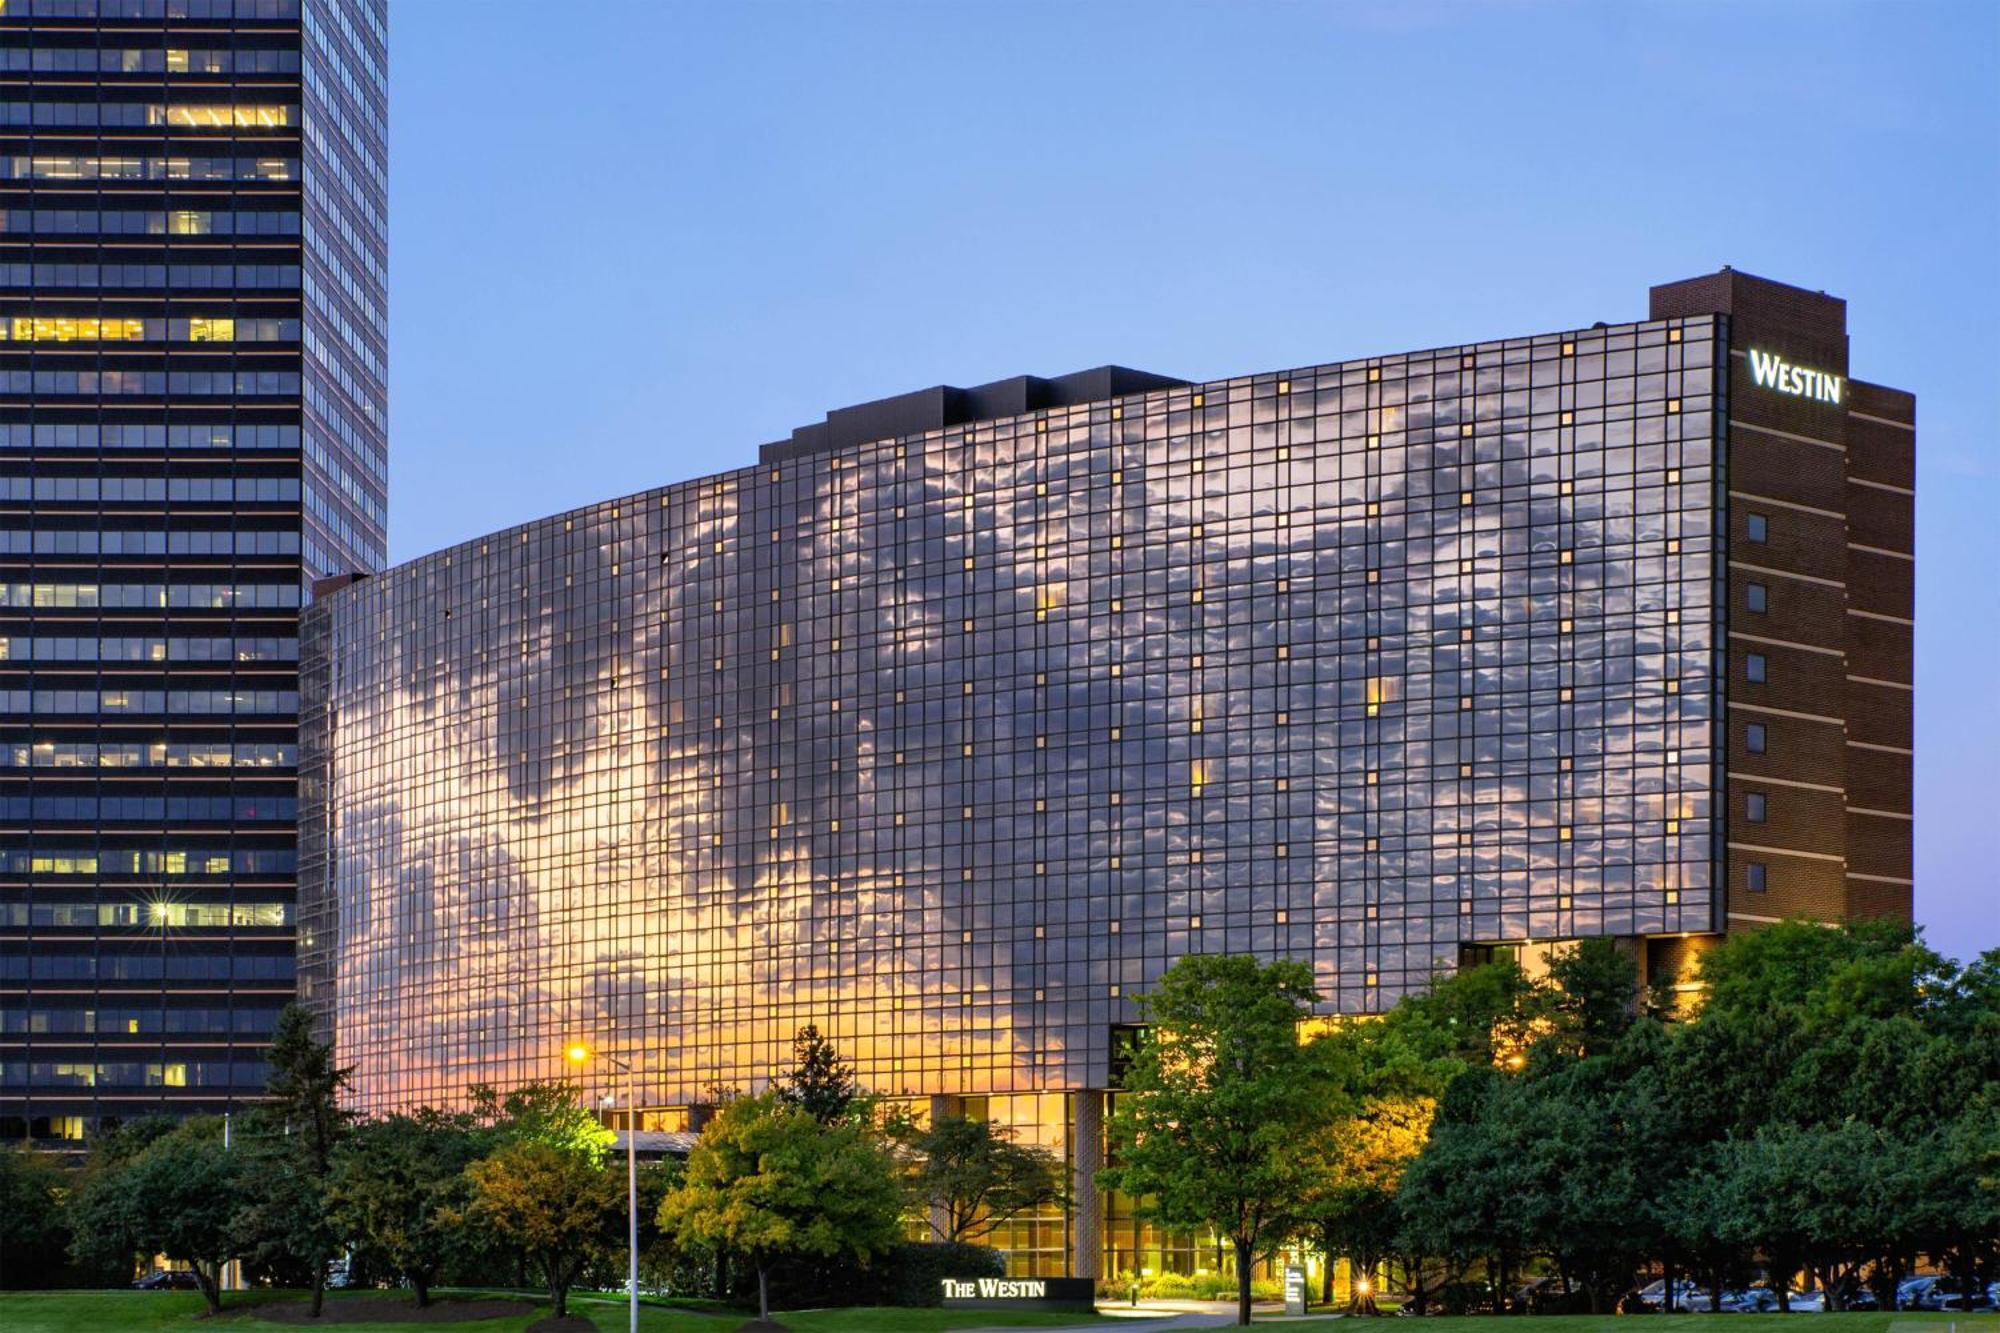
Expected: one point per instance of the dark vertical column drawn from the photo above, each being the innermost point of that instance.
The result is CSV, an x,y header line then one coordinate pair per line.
x,y
941,1106
1086,1207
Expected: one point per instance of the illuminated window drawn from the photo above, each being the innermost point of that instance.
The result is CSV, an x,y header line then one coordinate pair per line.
x,y
223,117
64,329
212,330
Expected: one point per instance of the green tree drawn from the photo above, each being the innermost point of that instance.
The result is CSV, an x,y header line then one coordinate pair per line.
x,y
1699,1209
33,1192
971,1176
281,1220
1462,1197
1349,1205
289,1147
547,1112
819,1082
1582,1202
767,1180
1667,1138
1213,1127
396,1185
1395,1070
1596,990
178,1195
1481,1015
100,1238
557,1205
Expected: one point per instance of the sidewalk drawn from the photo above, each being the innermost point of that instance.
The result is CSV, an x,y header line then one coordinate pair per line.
x,y
1151,1315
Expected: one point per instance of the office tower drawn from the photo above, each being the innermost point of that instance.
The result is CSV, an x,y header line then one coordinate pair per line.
x,y
192,412
956,718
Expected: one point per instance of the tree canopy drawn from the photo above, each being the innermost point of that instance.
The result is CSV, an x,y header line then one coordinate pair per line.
x,y
557,1204
969,1176
768,1179
1212,1127
819,1082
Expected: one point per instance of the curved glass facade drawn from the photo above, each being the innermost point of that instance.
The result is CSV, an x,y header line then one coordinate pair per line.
x,y
951,742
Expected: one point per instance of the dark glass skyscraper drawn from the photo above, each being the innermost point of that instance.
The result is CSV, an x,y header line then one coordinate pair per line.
x,y
192,413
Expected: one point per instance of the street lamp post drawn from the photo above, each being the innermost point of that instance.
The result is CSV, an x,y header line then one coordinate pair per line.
x,y
580,1054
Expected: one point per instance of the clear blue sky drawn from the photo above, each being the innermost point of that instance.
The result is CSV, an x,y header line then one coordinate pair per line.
x,y
631,240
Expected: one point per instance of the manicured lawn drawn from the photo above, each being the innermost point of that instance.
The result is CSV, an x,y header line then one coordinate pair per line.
x,y
180,1312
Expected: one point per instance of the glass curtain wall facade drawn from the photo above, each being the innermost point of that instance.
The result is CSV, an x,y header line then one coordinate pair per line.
x,y
192,411
955,720
951,742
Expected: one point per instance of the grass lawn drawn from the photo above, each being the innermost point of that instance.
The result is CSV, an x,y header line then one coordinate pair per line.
x,y
1907,1321
156,1311
181,1311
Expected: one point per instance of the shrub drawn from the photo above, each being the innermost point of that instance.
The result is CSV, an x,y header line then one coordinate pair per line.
x,y
1187,1287
908,1274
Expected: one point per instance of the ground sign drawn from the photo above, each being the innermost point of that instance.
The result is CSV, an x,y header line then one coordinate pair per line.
x,y
1056,1294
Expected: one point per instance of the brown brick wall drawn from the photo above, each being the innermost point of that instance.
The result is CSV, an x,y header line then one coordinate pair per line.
x,y
1879,649
1877,779
1791,744
1881,518
1803,465
1881,515
1805,474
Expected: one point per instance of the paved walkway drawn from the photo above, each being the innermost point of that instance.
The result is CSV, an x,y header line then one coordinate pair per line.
x,y
1151,1315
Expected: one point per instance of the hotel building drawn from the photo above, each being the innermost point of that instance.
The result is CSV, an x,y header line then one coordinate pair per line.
x,y
192,413
954,719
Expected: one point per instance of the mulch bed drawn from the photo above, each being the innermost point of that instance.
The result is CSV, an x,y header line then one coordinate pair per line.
x,y
400,1309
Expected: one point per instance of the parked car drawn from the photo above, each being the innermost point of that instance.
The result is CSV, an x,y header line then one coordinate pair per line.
x,y
169,1279
1935,1291
1807,1302
1652,1296
1752,1300
1952,1295
1861,1298
1910,1290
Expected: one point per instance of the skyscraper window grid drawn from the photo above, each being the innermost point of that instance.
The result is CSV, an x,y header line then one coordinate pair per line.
x,y
191,414
950,743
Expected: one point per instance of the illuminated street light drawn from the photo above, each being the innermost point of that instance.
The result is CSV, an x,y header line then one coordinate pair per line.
x,y
578,1054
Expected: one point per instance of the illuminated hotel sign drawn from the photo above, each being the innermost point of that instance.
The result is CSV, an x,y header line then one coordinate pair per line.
x,y
996,1289
1077,1295
1771,371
